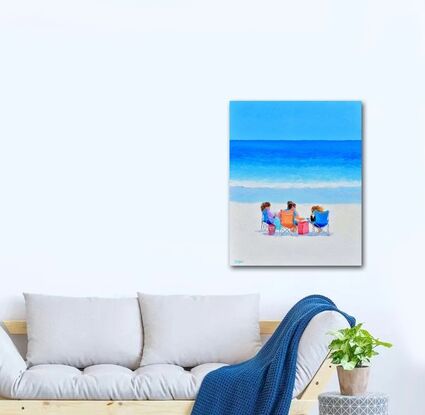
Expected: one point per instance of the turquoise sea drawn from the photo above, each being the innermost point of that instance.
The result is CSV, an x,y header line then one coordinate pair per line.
x,y
322,172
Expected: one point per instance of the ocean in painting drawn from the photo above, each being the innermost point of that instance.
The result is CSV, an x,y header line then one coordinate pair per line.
x,y
306,171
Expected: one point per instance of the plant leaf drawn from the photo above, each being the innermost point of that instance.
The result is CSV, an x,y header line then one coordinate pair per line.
x,y
348,365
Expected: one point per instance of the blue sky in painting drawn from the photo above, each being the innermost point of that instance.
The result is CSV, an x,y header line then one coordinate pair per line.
x,y
295,120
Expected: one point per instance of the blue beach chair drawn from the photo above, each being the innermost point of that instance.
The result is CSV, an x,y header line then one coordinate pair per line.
x,y
264,225
322,220
278,225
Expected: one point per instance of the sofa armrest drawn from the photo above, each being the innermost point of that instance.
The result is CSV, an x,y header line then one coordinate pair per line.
x,y
313,347
12,365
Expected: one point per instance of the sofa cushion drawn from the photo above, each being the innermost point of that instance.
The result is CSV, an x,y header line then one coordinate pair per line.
x,y
110,382
192,330
81,332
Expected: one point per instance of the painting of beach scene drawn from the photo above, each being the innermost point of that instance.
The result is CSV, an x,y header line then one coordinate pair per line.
x,y
295,191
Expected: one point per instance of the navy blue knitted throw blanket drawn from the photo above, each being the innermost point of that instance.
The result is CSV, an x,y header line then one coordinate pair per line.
x,y
264,384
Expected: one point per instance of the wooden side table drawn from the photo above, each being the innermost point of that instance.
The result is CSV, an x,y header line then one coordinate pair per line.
x,y
369,404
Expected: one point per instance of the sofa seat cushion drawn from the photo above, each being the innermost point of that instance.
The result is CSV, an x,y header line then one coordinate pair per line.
x,y
111,382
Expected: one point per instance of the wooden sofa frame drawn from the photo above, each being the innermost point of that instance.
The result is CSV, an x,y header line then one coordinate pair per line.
x,y
302,405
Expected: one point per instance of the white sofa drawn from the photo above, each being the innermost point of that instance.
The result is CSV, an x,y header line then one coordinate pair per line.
x,y
155,348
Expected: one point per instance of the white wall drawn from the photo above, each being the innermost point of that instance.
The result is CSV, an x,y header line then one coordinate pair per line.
x,y
113,152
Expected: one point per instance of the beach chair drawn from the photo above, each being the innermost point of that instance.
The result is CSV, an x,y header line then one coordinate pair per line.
x,y
278,225
287,221
264,225
322,220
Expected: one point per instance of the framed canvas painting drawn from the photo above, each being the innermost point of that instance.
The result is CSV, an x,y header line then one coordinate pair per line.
x,y
295,183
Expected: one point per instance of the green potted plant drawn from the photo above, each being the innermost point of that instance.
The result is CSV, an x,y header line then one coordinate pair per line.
x,y
352,349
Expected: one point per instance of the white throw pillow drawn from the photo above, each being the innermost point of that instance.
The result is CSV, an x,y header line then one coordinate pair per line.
x,y
193,330
81,332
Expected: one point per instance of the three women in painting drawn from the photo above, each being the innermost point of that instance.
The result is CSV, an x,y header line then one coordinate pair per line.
x,y
289,217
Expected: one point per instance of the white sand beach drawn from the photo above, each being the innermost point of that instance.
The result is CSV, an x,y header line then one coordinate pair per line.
x,y
250,246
